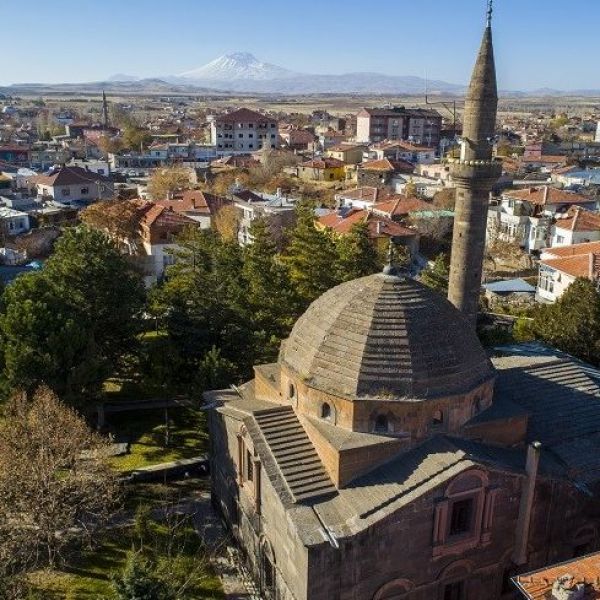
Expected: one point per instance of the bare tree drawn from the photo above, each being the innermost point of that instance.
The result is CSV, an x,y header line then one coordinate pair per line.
x,y
56,488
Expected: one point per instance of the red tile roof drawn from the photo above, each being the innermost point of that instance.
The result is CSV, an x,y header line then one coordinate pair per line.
x,y
573,250
194,201
545,195
401,206
580,219
367,193
586,570
378,226
576,266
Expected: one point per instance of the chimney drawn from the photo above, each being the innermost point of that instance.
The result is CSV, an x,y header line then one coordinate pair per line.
x,y
524,521
565,588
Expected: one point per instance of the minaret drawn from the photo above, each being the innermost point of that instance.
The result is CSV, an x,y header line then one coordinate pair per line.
x,y
474,175
104,110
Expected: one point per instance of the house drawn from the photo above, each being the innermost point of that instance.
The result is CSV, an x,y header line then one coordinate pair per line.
x,y
381,172
14,154
560,266
296,139
322,169
411,153
278,210
158,228
381,228
525,217
351,154
196,205
73,185
13,222
516,292
417,125
577,226
243,131
331,137
362,197
578,578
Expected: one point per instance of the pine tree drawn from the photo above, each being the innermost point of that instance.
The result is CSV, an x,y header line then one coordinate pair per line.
x,y
311,258
357,256
572,324
272,303
138,582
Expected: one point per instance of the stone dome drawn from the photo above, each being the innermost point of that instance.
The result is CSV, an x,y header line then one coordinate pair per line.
x,y
385,337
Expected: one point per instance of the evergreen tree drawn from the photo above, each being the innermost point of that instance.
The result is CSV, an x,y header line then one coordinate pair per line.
x,y
272,304
357,256
311,258
138,582
572,324
436,276
68,324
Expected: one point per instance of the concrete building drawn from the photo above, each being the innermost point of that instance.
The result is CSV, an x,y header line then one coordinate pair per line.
x,y
417,125
560,266
473,174
525,217
74,184
243,131
597,138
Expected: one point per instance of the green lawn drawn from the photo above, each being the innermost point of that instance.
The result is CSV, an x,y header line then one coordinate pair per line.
x,y
146,432
87,577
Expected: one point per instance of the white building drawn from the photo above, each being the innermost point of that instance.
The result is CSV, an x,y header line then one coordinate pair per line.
x,y
243,131
578,226
13,222
559,267
597,139
525,217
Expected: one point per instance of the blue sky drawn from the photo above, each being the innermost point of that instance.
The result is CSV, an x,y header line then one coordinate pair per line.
x,y
539,43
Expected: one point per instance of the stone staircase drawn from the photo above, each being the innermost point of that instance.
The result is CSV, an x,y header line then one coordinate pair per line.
x,y
294,453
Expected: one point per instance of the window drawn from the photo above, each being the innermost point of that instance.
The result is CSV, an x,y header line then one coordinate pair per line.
x,y
462,512
240,135
325,411
560,239
438,418
454,591
291,390
381,424
66,192
249,466
85,191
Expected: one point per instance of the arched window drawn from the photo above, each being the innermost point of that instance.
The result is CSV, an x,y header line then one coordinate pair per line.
x,y
438,418
291,390
325,411
381,424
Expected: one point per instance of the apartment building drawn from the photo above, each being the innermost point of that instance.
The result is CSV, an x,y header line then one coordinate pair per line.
x,y
417,125
243,131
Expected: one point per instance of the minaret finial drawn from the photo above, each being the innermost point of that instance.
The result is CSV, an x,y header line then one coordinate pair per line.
x,y
490,12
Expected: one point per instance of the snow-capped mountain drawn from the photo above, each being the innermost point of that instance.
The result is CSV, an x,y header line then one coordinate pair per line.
x,y
237,66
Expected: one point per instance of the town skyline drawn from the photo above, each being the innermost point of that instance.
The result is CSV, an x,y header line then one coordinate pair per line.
x,y
525,37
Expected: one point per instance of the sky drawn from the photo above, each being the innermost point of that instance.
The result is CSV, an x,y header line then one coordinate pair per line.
x,y
539,43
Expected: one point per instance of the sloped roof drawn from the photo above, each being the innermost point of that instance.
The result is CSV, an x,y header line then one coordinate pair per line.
x,y
71,176
580,219
401,205
323,163
548,195
195,201
244,115
580,265
377,225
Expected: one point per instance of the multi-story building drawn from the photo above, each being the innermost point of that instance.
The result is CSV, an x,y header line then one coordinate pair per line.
x,y
417,125
525,217
243,131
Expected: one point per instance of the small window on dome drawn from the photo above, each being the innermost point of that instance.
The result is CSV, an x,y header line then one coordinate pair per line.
x,y
477,406
291,390
325,411
381,424
438,418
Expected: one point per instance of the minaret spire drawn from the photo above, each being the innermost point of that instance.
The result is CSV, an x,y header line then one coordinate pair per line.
x,y
490,12
474,174
104,110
